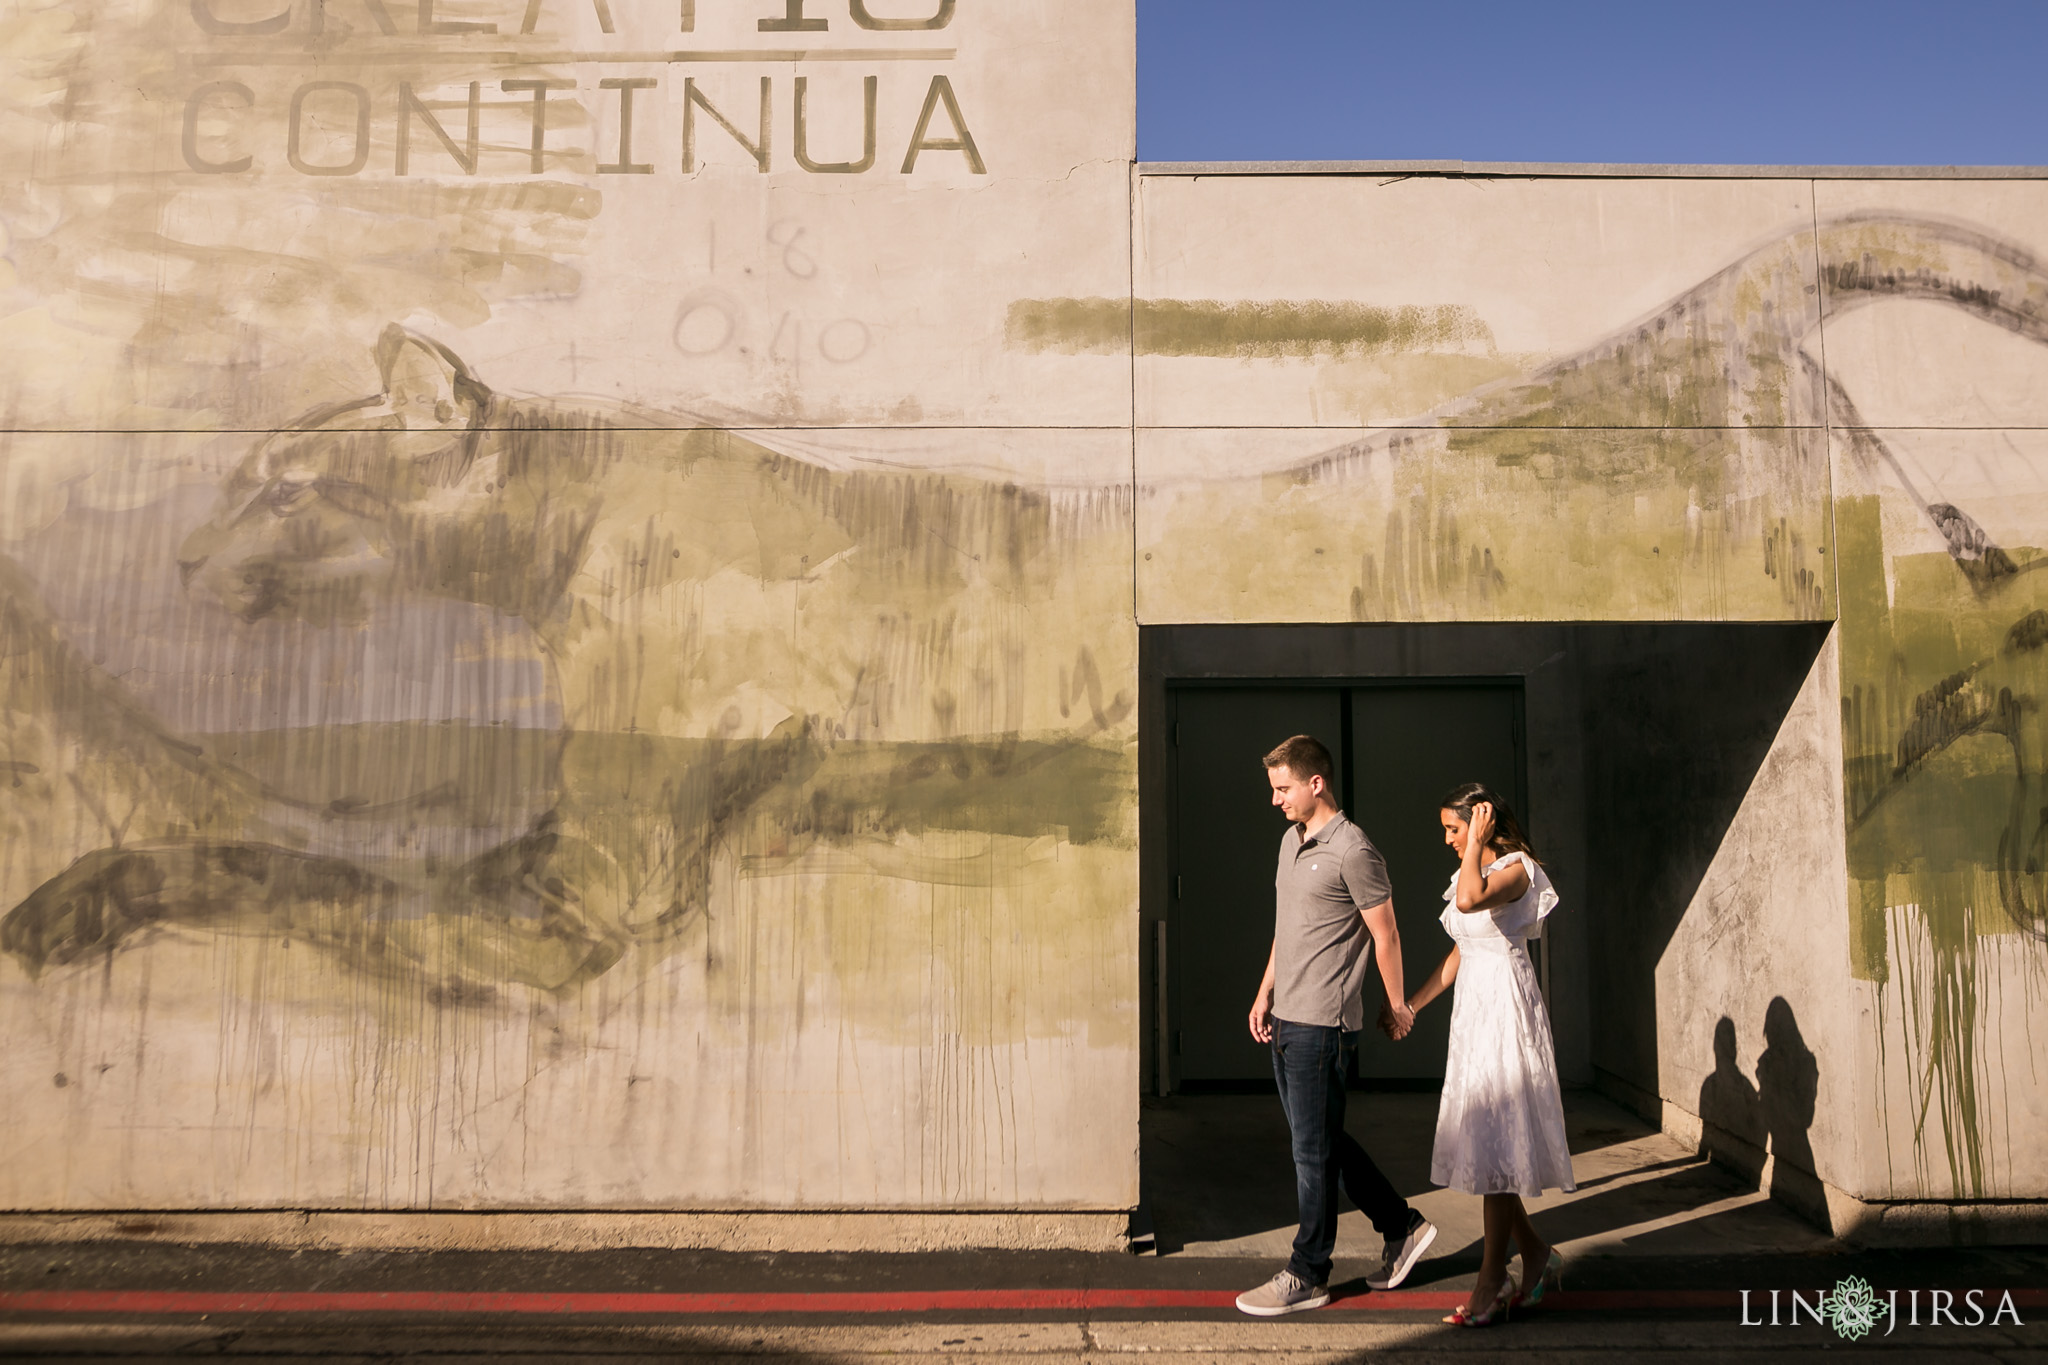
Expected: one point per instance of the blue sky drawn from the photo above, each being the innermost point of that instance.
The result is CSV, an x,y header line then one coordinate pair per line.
x,y
1796,82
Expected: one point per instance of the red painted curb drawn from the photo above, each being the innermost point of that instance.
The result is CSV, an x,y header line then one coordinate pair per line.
x,y
450,1301
907,1301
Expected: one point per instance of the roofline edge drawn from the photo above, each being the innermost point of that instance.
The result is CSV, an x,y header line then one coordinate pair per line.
x,y
1530,170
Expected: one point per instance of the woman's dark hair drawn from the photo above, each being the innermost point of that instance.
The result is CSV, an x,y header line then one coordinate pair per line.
x,y
1507,830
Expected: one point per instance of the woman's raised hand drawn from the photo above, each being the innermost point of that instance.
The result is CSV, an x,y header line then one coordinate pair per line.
x,y
1481,827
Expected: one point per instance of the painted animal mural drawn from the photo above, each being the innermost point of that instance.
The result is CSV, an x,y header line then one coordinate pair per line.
x,y
753,659
1709,415
756,661
440,487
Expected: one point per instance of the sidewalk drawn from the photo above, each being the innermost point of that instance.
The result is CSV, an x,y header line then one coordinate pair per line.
x,y
1660,1247
1219,1182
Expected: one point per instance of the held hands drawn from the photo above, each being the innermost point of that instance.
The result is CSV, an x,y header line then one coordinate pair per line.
x,y
1396,1021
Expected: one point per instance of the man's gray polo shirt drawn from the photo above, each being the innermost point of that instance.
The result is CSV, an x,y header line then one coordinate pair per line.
x,y
1320,945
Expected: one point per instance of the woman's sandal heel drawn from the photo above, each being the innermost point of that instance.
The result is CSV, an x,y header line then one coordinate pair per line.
x,y
1551,1281
1503,1304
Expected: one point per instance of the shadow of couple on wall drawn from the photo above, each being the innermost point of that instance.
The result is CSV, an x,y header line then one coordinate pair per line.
x,y
1681,1204
1753,1128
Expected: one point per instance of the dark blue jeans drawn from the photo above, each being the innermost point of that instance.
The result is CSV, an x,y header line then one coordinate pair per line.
x,y
1309,1063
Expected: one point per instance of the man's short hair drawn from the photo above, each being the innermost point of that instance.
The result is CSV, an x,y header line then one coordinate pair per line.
x,y
1305,757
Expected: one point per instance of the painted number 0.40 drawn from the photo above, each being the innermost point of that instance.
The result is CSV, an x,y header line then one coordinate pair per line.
x,y
709,320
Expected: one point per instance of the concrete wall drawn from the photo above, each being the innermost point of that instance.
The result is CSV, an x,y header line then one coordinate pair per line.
x,y
1713,753
569,621
558,663
1664,399
1936,419
1563,400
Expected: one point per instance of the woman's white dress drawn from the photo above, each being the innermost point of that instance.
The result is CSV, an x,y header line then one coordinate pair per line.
x,y
1500,1128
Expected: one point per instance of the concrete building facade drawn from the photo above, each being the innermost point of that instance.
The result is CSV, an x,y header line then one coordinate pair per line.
x,y
599,606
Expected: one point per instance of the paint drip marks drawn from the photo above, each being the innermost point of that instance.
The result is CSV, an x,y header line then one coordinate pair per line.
x,y
81,762
1423,562
1786,559
1272,329
1943,682
1938,989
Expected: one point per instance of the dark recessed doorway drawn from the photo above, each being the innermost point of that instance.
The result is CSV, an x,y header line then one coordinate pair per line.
x,y
1629,747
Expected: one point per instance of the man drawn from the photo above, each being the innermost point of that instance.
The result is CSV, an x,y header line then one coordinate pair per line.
x,y
1333,911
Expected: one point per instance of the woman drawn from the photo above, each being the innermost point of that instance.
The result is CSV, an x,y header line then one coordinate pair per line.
x,y
1500,1128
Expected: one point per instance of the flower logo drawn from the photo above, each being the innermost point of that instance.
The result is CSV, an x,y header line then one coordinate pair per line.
x,y
1853,1308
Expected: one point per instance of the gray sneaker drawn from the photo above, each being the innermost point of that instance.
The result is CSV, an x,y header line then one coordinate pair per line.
x,y
1286,1292
1401,1253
